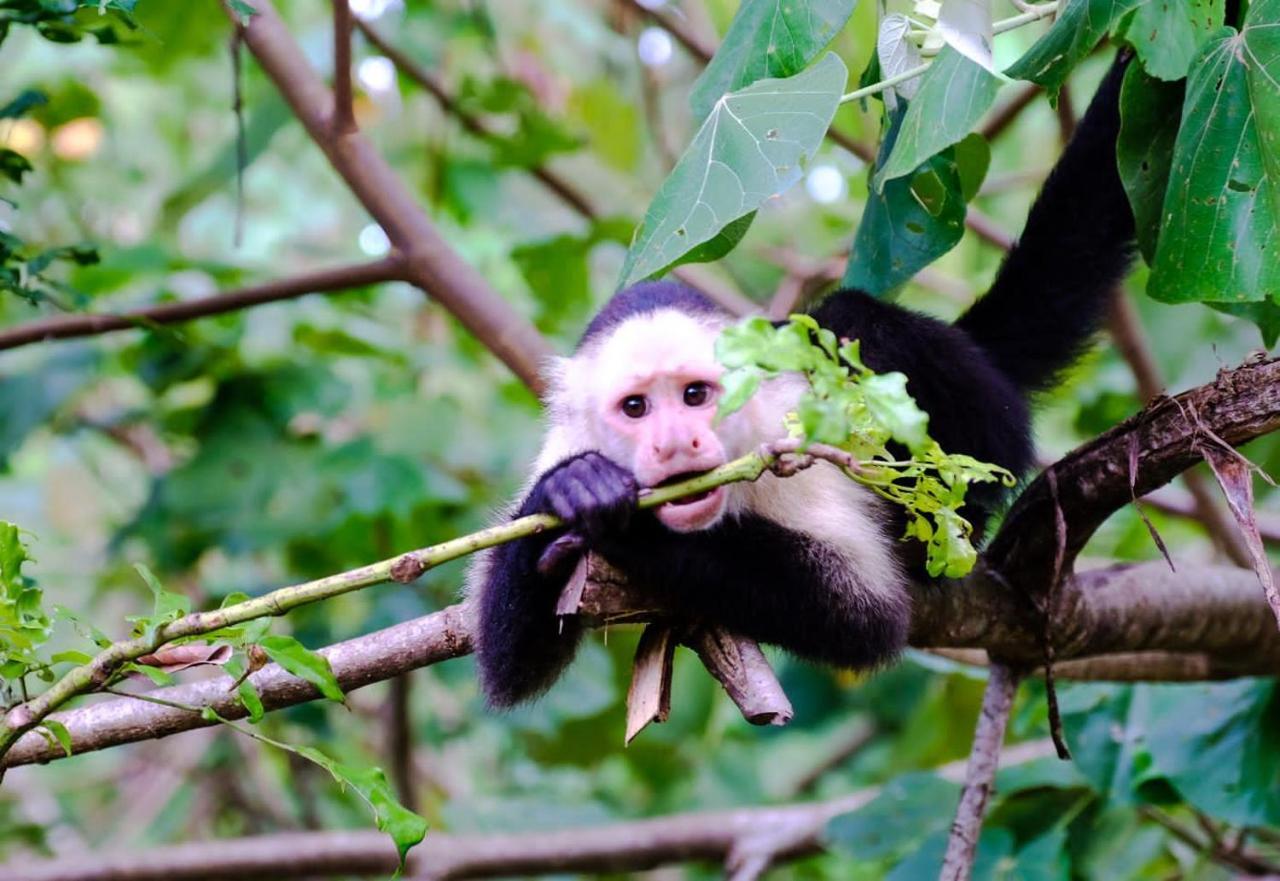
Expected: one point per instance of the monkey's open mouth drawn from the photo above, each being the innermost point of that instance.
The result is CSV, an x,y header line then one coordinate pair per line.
x,y
687,500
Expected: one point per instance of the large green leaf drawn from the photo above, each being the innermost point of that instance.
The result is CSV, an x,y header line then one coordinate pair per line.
x,y
910,224
952,96
1219,239
1150,111
752,147
1219,745
1168,34
1080,25
768,38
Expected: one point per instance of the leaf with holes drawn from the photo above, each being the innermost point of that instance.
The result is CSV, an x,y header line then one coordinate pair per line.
x,y
1220,240
1150,112
753,146
915,220
953,94
1168,34
768,38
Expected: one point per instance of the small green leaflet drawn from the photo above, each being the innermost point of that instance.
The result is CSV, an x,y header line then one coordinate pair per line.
x,y
1078,28
304,663
951,97
753,146
1220,240
768,38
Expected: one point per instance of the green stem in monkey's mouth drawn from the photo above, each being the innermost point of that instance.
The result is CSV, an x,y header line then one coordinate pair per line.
x,y
686,500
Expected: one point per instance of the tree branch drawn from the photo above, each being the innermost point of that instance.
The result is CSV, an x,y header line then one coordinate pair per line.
x,y
1126,331
980,777
344,119
339,278
431,263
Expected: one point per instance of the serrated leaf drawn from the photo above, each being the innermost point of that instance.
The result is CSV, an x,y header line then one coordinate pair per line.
x,y
768,39
1078,28
1150,113
893,407
1167,34
1220,240
737,388
953,95
753,146
304,663
910,224
896,54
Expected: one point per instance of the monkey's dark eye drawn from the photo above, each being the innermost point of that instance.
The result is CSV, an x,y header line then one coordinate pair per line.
x,y
634,406
696,394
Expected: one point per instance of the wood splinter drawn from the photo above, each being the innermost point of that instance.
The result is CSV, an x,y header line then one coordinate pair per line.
x,y
601,595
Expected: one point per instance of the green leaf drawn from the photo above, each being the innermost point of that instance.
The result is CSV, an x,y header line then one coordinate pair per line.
x,y
910,224
973,159
1168,34
1265,314
768,39
894,408
59,732
1217,744
404,826
753,146
304,663
908,810
952,96
1078,28
168,606
1150,113
1220,240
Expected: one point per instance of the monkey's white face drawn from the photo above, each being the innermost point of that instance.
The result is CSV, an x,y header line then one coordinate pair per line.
x,y
654,386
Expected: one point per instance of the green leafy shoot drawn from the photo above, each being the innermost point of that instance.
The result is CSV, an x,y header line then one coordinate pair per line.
x,y
167,606
24,625
849,406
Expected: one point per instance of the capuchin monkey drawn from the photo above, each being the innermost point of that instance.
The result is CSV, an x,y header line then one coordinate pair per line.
x,y
810,563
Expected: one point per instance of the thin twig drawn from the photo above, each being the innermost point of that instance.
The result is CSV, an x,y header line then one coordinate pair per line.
x,y
1004,115
340,278
1224,856
432,264
980,777
344,118
1126,332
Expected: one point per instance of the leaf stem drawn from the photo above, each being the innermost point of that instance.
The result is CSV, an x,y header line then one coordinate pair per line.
x,y
1033,13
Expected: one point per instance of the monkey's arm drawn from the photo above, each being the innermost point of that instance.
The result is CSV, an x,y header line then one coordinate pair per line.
x,y
522,646
764,581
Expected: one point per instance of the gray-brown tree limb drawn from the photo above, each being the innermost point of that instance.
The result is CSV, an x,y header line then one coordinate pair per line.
x,y
339,278
430,262
619,847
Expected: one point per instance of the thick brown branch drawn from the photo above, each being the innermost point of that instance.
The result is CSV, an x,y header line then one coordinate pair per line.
x,y
431,264
1094,480
1126,331
357,662
339,278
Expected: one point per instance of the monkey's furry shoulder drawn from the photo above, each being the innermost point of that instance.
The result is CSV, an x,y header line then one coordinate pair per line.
x,y
809,563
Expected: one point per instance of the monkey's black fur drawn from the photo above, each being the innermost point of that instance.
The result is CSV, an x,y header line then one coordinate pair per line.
x,y
752,574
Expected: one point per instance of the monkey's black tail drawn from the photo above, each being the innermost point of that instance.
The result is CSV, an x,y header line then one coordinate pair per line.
x,y
1052,292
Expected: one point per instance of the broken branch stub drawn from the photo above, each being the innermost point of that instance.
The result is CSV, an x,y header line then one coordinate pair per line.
x,y
600,595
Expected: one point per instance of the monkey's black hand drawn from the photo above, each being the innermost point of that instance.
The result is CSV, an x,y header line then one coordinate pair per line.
x,y
590,492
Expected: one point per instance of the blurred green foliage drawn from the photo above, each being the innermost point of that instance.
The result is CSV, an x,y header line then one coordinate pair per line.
x,y
252,450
